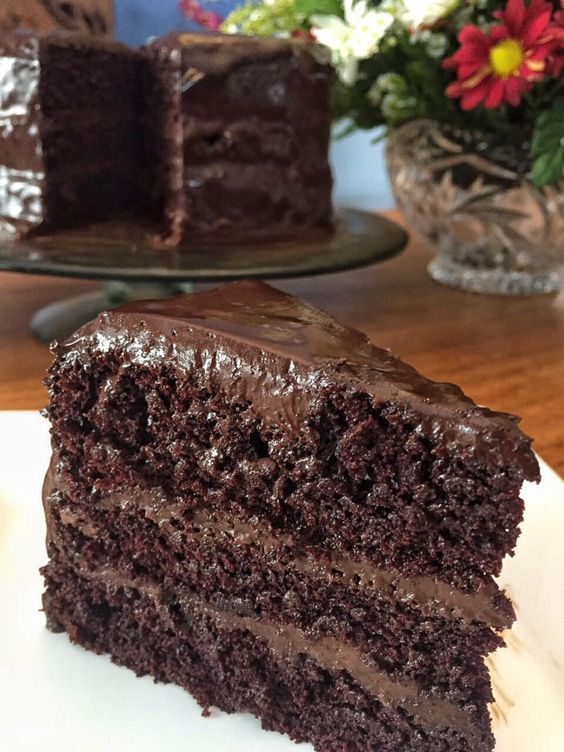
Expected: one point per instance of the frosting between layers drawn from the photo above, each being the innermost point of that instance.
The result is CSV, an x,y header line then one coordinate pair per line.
x,y
261,345
288,642
432,596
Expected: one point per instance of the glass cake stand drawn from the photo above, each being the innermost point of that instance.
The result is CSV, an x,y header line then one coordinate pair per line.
x,y
121,254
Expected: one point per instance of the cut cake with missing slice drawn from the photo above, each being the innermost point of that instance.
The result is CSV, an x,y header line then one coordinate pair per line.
x,y
254,502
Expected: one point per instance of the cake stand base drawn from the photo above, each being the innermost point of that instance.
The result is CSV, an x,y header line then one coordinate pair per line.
x,y
120,253
59,320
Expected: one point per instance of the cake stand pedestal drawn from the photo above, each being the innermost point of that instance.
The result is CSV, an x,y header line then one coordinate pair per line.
x,y
121,255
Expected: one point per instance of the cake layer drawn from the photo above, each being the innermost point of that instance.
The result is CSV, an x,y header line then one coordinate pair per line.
x,y
255,197
79,73
249,402
313,689
250,140
403,623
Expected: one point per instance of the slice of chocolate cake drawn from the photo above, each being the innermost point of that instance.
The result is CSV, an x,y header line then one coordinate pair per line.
x,y
237,136
256,503
69,129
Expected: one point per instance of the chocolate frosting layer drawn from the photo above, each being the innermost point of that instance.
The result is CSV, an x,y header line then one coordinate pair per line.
x,y
334,655
259,344
288,642
432,596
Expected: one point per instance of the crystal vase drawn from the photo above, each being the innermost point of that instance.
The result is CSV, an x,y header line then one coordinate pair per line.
x,y
494,231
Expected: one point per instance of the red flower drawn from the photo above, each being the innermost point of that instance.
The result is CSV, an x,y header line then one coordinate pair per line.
x,y
504,64
306,36
557,62
205,18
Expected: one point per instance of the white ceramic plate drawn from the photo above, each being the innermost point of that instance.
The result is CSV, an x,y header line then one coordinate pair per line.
x,y
56,697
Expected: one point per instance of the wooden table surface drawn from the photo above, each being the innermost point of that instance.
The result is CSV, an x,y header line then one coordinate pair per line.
x,y
506,353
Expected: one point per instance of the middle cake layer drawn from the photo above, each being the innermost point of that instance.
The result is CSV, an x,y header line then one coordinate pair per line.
x,y
394,620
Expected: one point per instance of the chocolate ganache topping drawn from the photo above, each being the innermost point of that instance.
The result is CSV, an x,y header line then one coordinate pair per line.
x,y
216,54
21,158
260,344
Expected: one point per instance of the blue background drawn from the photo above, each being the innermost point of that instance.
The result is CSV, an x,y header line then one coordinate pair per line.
x,y
360,175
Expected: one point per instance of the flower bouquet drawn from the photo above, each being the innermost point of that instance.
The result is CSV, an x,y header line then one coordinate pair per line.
x,y
472,95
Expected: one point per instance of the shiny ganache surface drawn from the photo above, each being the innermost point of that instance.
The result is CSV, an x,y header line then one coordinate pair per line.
x,y
22,170
238,330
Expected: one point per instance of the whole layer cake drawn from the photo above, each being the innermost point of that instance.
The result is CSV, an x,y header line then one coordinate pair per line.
x,y
237,136
254,502
69,144
213,137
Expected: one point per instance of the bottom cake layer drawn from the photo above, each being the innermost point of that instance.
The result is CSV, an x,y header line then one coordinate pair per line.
x,y
234,662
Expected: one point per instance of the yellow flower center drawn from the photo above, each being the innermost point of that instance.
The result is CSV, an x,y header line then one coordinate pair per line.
x,y
506,57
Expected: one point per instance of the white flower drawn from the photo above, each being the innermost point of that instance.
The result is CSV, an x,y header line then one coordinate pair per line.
x,y
417,13
355,38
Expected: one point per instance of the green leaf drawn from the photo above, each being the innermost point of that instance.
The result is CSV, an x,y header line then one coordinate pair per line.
x,y
548,135
547,147
549,167
309,8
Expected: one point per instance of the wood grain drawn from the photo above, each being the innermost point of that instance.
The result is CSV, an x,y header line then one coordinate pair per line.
x,y
506,353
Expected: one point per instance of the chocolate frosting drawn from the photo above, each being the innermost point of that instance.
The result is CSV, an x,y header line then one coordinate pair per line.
x,y
21,160
259,344
217,54
432,596
288,642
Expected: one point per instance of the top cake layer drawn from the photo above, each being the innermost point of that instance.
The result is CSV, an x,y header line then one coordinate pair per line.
x,y
249,321
217,54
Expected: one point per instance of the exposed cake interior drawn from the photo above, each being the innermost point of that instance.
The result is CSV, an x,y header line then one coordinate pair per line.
x,y
70,149
90,97
244,494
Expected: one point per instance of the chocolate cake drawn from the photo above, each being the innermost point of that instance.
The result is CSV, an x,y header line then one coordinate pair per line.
x,y
237,136
256,503
207,136
69,129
